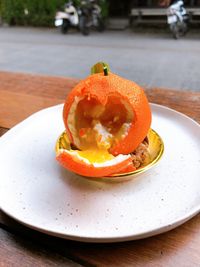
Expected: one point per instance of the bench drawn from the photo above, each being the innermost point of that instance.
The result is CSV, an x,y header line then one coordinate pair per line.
x,y
151,15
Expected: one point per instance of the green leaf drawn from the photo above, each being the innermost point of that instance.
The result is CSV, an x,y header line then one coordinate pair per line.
x,y
100,67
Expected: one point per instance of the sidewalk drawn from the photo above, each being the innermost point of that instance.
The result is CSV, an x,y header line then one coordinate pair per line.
x,y
150,59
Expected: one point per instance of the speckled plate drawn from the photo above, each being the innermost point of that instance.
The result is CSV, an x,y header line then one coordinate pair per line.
x,y
39,193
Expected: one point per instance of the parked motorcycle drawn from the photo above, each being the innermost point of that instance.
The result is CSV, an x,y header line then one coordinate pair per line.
x,y
177,18
67,18
90,17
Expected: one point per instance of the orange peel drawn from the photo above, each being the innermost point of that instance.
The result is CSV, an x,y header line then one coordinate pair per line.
x,y
73,161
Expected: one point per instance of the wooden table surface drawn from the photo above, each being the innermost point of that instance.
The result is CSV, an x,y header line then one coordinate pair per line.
x,y
24,94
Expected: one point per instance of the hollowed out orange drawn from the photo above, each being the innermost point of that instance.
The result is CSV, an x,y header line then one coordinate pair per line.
x,y
119,105
106,117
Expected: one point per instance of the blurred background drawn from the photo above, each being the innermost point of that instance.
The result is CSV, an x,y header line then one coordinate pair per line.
x,y
154,43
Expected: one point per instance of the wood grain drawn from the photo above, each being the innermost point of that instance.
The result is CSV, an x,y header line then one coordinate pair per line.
x,y
22,252
36,85
17,107
23,94
3,131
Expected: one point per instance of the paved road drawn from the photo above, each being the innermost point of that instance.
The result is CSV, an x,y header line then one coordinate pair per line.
x,y
150,59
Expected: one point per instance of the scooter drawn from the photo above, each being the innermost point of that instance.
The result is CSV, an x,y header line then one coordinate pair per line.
x,y
67,18
178,19
90,17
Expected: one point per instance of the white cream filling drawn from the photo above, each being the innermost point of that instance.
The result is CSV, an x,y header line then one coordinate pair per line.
x,y
125,128
104,135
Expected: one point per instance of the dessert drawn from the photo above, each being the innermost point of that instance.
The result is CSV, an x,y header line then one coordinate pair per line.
x,y
107,119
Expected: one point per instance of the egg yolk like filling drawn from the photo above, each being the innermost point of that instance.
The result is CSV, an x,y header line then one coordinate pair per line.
x,y
96,127
95,156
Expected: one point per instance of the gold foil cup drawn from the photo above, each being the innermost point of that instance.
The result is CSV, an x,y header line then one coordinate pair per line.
x,y
155,152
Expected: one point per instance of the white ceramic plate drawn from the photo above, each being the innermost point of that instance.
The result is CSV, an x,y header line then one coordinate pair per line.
x,y
39,193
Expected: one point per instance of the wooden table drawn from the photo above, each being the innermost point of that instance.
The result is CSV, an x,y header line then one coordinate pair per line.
x,y
23,94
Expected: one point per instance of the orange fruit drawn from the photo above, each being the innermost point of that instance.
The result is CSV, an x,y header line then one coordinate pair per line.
x,y
106,116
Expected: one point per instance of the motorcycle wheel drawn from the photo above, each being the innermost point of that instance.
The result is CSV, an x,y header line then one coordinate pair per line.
x,y
101,25
175,30
184,29
64,26
85,30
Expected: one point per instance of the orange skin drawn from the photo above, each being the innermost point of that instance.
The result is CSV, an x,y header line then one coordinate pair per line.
x,y
77,166
99,87
129,168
